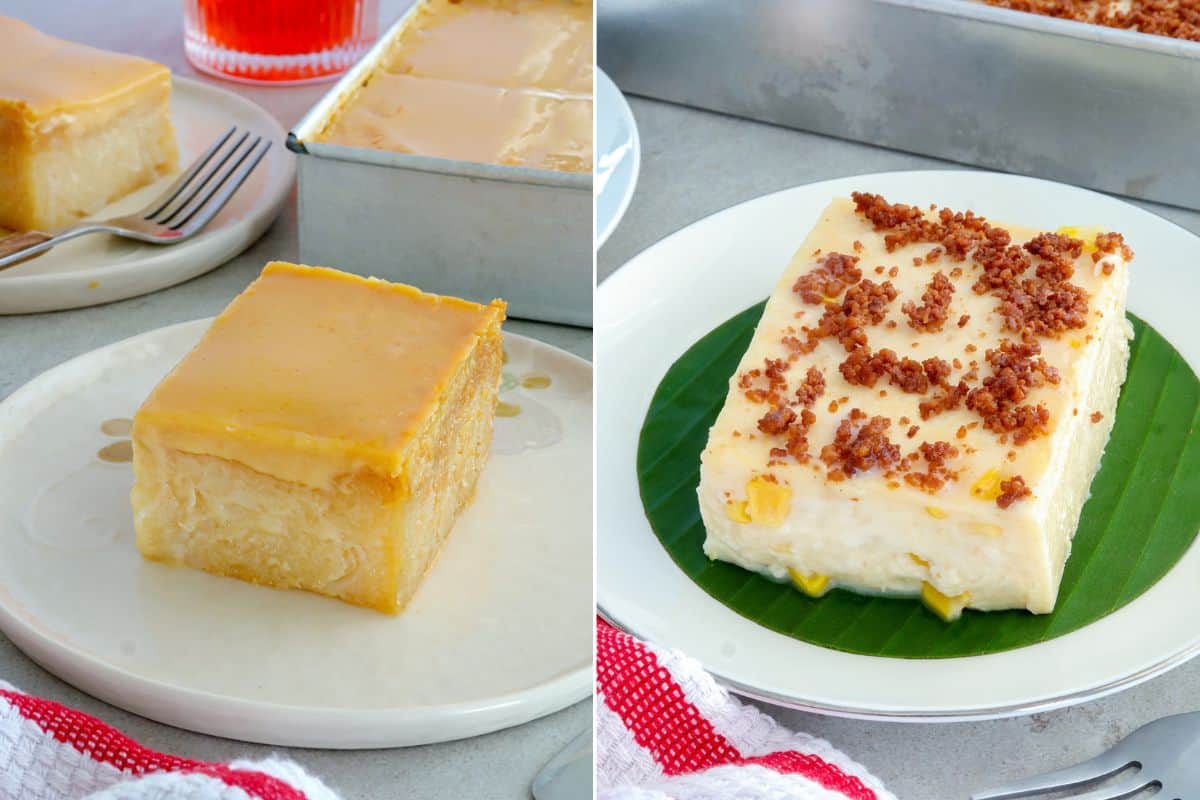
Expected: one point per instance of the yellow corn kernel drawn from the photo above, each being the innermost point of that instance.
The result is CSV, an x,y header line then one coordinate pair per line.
x,y
918,560
988,485
948,608
767,503
935,512
736,511
829,301
986,528
1076,343
1085,233
814,585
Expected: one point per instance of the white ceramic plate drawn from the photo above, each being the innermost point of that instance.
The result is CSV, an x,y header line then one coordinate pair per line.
x,y
666,298
618,156
100,269
499,633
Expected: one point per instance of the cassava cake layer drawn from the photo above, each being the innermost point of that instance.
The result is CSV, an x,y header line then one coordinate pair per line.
x,y
489,81
922,408
79,127
323,435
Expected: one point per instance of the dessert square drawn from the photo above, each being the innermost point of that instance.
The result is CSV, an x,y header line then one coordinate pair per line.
x,y
543,44
922,408
467,122
324,435
488,81
79,127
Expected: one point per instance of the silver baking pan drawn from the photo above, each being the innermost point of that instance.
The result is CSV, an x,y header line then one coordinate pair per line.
x,y
1109,109
453,227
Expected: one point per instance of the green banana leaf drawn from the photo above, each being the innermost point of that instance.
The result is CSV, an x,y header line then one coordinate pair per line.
x,y
1143,513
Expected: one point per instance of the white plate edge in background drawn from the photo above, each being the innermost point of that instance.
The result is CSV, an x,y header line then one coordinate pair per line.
x,y
163,266
627,169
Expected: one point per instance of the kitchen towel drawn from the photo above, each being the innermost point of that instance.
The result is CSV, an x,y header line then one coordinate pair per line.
x,y
666,731
51,752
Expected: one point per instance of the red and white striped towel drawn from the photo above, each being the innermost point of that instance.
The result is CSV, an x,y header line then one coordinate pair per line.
x,y
51,752
666,731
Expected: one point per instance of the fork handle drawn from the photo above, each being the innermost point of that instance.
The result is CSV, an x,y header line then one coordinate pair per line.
x,y
21,246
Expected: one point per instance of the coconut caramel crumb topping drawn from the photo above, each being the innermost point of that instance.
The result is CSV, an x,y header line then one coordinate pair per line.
x,y
936,473
1058,253
1012,490
999,401
860,444
945,400
864,304
934,309
828,279
1178,19
864,368
1108,244
812,387
1034,298
1042,308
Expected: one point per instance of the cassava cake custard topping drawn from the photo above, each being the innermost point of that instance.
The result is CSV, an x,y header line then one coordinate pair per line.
x,y
490,81
953,351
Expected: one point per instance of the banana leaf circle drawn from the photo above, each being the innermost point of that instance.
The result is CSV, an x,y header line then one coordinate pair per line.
x,y
1142,515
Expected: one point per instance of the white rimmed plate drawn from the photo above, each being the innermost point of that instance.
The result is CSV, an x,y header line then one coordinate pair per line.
x,y
100,269
663,300
498,634
618,156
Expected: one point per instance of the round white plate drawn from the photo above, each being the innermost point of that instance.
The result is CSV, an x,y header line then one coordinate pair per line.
x,y
498,634
100,269
666,298
618,156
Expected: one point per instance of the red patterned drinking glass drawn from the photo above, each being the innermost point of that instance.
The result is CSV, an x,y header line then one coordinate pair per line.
x,y
278,41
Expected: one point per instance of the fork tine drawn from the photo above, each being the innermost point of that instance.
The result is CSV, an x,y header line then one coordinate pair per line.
x,y
186,176
197,186
1103,765
1117,790
211,206
210,209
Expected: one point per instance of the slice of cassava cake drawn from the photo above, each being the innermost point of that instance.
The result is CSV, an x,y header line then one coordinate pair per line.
x,y
922,408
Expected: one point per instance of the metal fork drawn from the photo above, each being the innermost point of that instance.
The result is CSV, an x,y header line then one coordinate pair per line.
x,y
1166,753
178,214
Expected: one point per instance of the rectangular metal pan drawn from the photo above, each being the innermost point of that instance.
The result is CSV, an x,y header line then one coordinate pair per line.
x,y
1110,109
473,230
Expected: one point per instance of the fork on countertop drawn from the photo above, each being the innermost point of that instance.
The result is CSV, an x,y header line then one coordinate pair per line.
x,y
1165,752
178,214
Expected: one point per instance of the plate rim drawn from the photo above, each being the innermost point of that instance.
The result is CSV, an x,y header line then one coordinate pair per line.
x,y
240,235
644,260
344,729
602,236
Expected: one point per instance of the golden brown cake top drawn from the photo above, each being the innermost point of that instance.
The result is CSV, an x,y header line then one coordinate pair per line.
x,y
44,75
313,361
467,122
488,81
545,44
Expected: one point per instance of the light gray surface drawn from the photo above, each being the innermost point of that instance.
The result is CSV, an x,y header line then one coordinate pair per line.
x,y
499,765
695,163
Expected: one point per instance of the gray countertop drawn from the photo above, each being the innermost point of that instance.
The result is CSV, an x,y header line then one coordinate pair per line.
x,y
499,765
695,163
